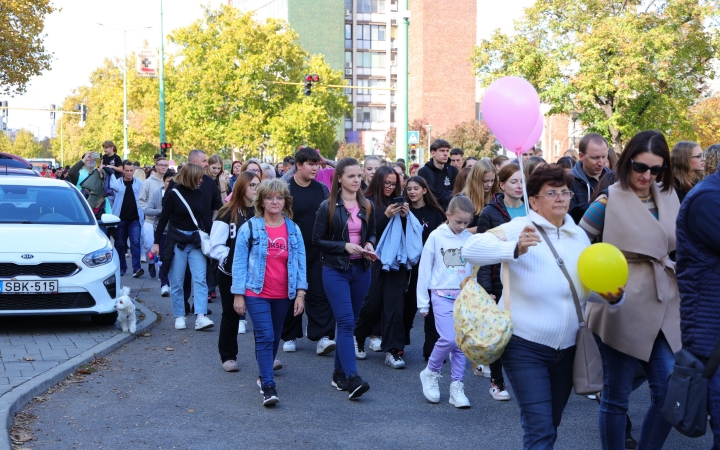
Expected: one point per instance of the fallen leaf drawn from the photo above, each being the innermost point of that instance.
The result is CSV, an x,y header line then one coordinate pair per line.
x,y
191,410
21,436
170,349
84,371
28,358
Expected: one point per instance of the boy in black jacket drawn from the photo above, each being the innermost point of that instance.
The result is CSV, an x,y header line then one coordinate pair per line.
x,y
439,173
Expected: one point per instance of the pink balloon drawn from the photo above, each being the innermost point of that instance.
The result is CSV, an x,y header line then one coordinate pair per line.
x,y
533,137
510,108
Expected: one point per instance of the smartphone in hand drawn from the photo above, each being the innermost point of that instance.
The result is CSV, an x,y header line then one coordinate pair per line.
x,y
372,256
399,200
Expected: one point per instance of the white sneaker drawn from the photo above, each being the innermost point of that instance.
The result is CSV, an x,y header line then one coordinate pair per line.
x,y
359,352
375,343
143,259
431,388
394,360
498,391
457,395
289,346
325,346
203,323
180,323
242,327
165,290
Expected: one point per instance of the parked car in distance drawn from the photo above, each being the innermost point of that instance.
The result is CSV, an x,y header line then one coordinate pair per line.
x,y
16,172
10,160
78,274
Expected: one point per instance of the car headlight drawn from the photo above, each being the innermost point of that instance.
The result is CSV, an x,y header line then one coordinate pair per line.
x,y
99,257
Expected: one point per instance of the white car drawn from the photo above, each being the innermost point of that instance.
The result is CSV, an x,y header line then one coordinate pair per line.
x,y
54,258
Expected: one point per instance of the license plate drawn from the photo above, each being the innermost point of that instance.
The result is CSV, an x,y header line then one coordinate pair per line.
x,y
29,287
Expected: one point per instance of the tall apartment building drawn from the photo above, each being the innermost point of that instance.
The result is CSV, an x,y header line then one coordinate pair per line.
x,y
360,37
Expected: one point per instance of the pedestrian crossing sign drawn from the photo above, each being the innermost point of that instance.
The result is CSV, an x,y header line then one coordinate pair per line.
x,y
413,137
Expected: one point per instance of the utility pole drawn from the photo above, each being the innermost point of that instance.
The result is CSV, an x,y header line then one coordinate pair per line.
x,y
162,79
401,140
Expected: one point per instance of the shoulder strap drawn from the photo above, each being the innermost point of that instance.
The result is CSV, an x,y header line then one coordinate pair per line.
x,y
561,263
192,216
713,363
250,239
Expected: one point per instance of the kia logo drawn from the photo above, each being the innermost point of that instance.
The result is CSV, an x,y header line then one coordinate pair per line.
x,y
27,256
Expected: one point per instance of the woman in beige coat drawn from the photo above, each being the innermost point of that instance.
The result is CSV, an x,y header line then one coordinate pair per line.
x,y
638,215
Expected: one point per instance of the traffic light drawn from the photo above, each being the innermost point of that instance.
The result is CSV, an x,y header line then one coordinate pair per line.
x,y
83,113
309,81
52,112
164,147
413,152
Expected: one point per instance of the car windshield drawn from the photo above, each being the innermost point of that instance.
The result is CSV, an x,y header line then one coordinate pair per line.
x,y
43,204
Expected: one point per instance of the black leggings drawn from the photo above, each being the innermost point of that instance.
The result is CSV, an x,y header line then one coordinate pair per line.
x,y
227,339
385,301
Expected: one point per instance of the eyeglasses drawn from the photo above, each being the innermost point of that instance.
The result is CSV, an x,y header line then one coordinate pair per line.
x,y
390,184
278,199
253,185
552,195
701,157
254,170
642,168
162,165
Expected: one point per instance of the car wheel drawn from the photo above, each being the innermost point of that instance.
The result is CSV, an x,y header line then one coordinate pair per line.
x,y
104,319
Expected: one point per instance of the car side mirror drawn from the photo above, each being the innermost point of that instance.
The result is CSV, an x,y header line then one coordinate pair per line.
x,y
108,220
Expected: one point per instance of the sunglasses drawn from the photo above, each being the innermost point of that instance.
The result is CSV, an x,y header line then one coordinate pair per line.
x,y
642,168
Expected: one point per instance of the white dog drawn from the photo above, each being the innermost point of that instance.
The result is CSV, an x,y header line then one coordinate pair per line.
x,y
126,310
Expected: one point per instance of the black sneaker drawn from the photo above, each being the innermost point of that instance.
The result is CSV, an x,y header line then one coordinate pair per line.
x,y
357,387
339,381
270,396
139,273
151,271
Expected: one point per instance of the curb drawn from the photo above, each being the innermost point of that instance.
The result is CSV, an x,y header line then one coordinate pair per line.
x,y
17,398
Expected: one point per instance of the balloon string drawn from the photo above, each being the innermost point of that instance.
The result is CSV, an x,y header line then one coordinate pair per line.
x,y
524,186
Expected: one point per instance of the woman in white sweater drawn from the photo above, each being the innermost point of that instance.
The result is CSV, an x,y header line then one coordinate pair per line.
x,y
538,359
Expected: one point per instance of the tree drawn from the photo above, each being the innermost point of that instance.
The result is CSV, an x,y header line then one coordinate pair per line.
x,y
25,145
473,137
625,65
5,143
22,51
224,90
350,150
706,121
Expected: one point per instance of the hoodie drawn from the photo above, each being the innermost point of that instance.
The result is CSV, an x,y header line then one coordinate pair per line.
x,y
442,265
583,187
440,181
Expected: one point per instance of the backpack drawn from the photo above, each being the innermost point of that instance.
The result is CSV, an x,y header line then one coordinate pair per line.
x,y
109,174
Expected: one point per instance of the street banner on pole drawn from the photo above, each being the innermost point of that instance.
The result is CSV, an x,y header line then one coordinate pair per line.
x,y
146,63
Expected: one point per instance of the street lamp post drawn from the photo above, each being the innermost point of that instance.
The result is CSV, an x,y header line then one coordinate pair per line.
x,y
429,130
574,116
126,153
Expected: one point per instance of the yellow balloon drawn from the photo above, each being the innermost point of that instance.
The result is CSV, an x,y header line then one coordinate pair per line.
x,y
603,268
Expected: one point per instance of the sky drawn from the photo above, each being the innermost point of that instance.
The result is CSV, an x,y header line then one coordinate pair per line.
x,y
79,45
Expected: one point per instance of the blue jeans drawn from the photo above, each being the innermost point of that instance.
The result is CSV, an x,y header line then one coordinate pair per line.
x,y
542,380
133,230
714,402
618,376
267,318
347,289
198,265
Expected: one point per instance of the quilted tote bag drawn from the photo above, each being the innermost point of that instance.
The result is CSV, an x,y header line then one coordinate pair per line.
x,y
482,330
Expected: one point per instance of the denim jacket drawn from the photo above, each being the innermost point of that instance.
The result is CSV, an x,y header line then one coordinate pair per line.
x,y
248,270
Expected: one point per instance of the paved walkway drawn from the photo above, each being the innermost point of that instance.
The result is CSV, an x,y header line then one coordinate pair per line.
x,y
36,353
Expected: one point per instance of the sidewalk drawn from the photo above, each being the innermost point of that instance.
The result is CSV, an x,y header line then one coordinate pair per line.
x,y
36,353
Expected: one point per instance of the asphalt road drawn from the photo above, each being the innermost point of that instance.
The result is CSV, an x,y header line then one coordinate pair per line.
x,y
150,397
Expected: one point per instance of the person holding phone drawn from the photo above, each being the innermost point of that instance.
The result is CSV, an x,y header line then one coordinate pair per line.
x,y
269,274
345,233
111,159
386,297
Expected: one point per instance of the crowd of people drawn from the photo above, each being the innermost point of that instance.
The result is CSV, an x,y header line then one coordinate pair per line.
x,y
359,248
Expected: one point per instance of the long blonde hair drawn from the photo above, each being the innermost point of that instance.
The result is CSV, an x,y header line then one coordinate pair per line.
x,y
474,185
682,165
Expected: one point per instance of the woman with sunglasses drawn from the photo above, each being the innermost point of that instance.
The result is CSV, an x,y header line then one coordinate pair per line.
x,y
638,216
224,231
688,164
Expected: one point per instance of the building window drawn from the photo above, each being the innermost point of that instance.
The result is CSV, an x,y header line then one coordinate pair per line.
x,y
370,37
348,35
371,60
373,114
348,5
371,6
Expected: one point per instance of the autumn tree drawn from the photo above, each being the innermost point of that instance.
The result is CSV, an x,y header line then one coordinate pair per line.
x,y
350,150
473,137
26,145
625,65
22,49
705,116
5,143
225,87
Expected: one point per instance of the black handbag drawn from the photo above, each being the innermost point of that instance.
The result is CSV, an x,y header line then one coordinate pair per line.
x,y
686,403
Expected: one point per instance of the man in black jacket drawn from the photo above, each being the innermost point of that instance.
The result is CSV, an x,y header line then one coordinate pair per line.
x,y
588,170
439,174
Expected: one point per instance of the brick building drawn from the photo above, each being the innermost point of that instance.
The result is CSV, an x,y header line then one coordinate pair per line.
x,y
559,134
